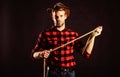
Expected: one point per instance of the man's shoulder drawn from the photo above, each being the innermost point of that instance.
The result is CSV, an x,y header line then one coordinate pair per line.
x,y
72,32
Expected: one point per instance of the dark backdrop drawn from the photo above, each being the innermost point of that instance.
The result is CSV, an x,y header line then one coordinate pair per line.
x,y
22,20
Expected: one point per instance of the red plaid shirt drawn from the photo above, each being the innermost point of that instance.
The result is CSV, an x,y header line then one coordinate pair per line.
x,y
52,38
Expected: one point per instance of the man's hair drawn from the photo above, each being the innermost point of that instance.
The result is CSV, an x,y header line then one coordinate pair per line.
x,y
59,7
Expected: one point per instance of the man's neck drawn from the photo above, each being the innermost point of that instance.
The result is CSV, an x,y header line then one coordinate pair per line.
x,y
61,28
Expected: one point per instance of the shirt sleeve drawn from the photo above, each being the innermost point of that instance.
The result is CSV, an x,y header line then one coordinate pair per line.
x,y
78,44
78,47
40,44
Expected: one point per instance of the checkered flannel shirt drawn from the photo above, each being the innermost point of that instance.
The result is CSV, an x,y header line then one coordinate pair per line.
x,y
52,38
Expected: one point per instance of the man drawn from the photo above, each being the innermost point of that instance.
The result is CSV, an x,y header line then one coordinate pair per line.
x,y
61,62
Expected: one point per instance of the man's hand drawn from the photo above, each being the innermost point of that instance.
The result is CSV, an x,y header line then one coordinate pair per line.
x,y
42,54
97,31
46,53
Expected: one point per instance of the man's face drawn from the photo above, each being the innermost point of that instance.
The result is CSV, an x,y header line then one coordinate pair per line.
x,y
60,17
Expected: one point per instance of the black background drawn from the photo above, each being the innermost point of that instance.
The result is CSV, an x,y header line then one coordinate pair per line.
x,y
22,20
